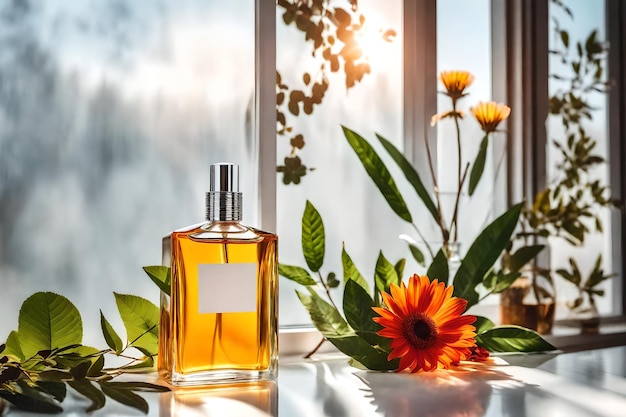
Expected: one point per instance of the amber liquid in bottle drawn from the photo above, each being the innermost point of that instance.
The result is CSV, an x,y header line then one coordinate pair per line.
x,y
220,323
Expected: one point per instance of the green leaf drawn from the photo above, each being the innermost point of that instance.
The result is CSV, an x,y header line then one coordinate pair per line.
x,y
479,165
512,339
295,273
124,396
379,173
385,274
357,307
361,351
411,175
13,347
33,401
48,321
139,386
57,390
350,271
87,389
313,239
110,335
55,375
503,282
323,315
524,255
141,319
399,267
482,324
483,253
80,371
161,276
332,281
417,254
96,367
2,347
438,269
564,38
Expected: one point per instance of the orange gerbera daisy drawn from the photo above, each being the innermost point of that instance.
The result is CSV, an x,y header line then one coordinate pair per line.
x,y
490,114
456,82
425,324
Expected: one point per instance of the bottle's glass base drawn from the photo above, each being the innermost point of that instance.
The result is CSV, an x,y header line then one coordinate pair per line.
x,y
220,377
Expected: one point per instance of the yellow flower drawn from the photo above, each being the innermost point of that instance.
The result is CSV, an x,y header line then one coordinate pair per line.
x,y
456,82
425,324
490,114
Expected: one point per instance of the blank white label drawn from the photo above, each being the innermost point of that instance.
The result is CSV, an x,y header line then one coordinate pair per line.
x,y
227,288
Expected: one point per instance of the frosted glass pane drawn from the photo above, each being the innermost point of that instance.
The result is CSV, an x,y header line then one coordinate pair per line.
x,y
110,114
351,207
587,16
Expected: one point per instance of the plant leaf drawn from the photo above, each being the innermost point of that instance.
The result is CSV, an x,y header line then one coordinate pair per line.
x,y
13,347
357,307
418,255
379,173
313,239
33,401
48,321
361,351
57,390
399,268
161,276
87,389
524,255
124,396
482,324
110,335
385,274
512,339
438,269
323,315
350,271
483,253
139,386
479,165
295,273
141,319
411,175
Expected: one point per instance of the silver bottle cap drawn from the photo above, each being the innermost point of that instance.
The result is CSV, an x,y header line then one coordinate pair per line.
x,y
223,201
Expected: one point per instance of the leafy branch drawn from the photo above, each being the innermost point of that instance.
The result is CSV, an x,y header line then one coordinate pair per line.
x,y
45,355
353,331
333,33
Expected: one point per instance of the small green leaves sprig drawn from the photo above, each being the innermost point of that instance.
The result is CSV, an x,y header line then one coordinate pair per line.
x,y
352,329
45,355
587,287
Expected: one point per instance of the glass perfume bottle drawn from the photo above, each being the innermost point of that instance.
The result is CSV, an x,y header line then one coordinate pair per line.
x,y
220,323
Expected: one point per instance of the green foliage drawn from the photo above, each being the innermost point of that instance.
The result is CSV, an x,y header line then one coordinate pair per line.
x,y
48,321
313,237
331,31
438,269
587,287
161,276
479,165
354,332
297,274
411,175
483,253
512,339
378,172
45,356
141,320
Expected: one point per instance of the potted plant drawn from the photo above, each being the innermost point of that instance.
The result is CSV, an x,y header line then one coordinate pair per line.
x,y
568,207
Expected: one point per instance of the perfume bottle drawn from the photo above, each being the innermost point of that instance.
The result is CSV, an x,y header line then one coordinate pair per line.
x,y
219,324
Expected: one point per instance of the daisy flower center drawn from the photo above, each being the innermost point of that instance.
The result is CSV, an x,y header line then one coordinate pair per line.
x,y
420,331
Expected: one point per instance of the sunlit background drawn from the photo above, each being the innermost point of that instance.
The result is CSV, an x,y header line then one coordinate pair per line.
x,y
112,111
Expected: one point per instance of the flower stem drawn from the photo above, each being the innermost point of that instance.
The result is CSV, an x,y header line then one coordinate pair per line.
x,y
441,224
456,203
460,178
315,349
327,289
